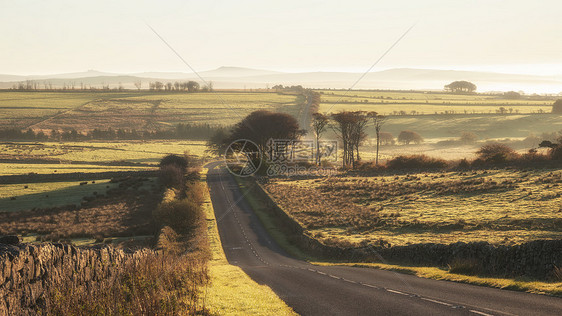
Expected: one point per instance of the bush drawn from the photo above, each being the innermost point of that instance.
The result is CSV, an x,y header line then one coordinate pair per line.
x,y
468,138
416,162
386,138
496,153
180,215
182,162
557,107
407,137
556,153
171,175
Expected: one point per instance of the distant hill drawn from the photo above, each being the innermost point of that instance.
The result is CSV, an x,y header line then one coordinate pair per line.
x,y
239,77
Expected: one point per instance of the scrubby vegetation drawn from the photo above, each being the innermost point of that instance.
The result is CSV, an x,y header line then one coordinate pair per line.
x,y
498,206
162,283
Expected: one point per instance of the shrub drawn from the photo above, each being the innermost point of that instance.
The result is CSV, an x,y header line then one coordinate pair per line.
x,y
386,138
407,137
496,153
557,107
416,162
171,175
464,164
468,138
181,162
180,215
556,153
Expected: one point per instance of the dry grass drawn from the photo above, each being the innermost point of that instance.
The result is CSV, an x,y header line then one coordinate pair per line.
x,y
125,211
158,284
170,281
498,206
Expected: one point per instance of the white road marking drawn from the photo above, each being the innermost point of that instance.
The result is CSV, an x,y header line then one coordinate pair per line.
x,y
395,292
435,301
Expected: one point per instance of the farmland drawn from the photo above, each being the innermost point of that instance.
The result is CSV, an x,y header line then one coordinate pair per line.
x,y
63,183
499,206
79,110
388,103
441,118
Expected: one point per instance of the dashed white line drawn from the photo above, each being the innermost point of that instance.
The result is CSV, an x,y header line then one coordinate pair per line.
x,y
396,292
435,301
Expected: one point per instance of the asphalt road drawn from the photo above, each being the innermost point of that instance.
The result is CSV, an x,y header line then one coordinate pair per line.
x,y
319,290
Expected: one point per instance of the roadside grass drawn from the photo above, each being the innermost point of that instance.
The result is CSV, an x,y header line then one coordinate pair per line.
x,y
48,194
522,285
268,221
231,291
517,284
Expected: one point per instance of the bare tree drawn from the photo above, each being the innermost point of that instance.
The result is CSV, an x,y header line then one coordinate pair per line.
x,y
319,124
138,84
350,127
378,122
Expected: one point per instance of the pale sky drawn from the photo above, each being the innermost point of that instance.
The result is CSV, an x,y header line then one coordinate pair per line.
x,y
60,36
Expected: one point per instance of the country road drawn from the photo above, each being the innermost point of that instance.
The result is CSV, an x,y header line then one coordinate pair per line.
x,y
321,290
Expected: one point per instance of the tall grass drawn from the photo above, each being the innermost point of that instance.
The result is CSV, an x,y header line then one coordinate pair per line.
x,y
167,281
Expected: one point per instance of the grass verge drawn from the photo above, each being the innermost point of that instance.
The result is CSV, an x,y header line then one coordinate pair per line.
x,y
231,291
531,286
268,221
554,288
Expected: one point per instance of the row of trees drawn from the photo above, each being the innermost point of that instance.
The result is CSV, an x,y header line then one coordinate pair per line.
x,y
460,87
189,86
181,131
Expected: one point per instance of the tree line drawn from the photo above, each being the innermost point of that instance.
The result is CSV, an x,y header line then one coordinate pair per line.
x,y
181,131
188,86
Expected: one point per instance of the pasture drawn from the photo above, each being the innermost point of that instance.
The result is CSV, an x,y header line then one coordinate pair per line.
x,y
140,110
410,102
498,206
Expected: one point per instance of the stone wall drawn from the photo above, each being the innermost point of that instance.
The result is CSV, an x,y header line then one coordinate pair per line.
x,y
28,271
537,259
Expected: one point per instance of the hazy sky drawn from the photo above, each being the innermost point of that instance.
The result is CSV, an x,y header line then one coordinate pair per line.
x,y
293,35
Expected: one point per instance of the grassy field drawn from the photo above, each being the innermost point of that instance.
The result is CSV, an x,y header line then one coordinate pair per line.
x,y
142,152
114,211
260,207
133,110
388,103
48,194
441,116
498,206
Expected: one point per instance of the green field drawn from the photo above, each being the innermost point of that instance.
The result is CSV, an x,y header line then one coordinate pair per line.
x,y
48,194
143,152
134,110
419,103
